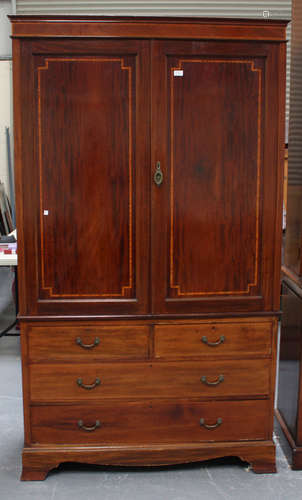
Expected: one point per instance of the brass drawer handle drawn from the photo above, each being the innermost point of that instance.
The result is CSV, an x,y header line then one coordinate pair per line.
x,y
210,427
88,386
213,344
87,346
216,382
89,429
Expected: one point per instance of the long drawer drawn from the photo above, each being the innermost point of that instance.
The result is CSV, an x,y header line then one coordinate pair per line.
x,y
85,343
213,339
151,422
209,379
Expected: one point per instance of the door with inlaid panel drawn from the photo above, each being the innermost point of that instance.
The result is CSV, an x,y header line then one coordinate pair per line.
x,y
213,240
91,109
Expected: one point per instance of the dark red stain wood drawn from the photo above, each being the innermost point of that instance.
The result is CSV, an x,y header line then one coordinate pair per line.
x,y
242,378
146,27
87,175
88,165
214,156
217,246
164,422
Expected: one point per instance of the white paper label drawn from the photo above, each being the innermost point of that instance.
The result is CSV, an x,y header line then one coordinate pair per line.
x,y
45,212
178,72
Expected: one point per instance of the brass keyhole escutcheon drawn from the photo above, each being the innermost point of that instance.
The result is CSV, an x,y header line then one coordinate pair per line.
x,y
158,176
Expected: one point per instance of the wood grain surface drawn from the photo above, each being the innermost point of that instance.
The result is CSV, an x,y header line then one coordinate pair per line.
x,y
221,339
151,422
148,27
61,343
89,171
217,198
159,379
39,461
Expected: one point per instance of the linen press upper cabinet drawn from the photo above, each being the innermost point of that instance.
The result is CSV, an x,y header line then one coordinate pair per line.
x,y
149,176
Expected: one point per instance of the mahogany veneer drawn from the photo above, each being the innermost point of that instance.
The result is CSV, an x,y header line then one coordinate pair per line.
x,y
62,342
163,422
161,379
235,339
148,158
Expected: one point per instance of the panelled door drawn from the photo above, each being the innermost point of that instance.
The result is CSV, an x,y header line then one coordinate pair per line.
x,y
207,112
214,160
90,104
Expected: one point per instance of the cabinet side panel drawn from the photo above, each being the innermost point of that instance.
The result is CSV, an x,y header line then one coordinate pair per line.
x,y
17,99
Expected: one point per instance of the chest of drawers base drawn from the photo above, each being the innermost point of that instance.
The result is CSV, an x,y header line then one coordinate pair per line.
x,y
148,392
38,461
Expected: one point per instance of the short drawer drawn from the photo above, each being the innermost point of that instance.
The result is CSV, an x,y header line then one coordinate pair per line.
x,y
213,339
85,343
151,422
135,380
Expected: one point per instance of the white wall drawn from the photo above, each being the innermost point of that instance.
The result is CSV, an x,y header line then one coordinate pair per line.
x,y
5,41
5,117
5,86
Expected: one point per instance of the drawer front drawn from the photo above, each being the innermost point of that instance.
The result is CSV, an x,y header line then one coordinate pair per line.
x,y
213,339
140,380
151,422
85,343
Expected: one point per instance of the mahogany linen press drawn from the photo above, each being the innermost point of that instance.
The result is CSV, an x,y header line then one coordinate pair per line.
x,y
148,158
